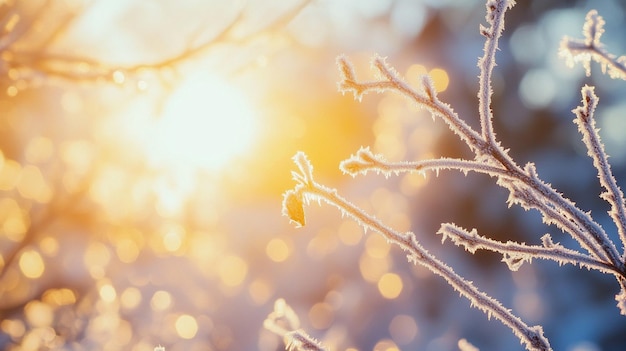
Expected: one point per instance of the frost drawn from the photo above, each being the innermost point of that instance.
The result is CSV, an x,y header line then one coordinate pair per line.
x,y
591,48
546,240
514,262
621,300
429,87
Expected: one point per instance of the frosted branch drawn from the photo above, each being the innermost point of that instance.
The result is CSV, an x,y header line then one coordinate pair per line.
x,y
285,323
425,96
621,297
591,48
532,337
495,18
531,192
364,161
595,149
515,254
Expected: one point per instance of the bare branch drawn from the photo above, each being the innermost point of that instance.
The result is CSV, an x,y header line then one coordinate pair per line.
x,y
591,137
495,18
284,323
514,254
591,48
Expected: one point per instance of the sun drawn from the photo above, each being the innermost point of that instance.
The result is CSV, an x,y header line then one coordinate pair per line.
x,y
205,123
200,131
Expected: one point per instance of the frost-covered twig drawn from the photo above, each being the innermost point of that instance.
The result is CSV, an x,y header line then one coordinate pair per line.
x,y
495,19
425,97
364,161
20,63
584,50
587,127
285,323
514,254
307,189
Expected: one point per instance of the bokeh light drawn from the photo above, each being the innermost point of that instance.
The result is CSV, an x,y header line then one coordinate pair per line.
x,y
390,285
403,329
31,264
186,326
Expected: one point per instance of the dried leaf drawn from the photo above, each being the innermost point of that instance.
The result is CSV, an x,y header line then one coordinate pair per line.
x,y
293,207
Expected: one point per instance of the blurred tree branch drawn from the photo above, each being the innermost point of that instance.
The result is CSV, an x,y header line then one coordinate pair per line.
x,y
19,63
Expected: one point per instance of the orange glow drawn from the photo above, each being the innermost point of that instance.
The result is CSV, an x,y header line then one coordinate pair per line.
x,y
31,264
59,297
14,328
390,285
14,223
440,79
9,174
39,314
33,186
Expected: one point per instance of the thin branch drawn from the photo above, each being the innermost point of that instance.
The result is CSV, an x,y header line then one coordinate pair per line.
x,y
595,149
582,224
517,253
495,18
364,160
591,48
60,204
85,69
284,323
425,97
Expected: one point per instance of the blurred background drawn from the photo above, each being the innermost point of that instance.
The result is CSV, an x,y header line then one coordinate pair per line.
x,y
145,147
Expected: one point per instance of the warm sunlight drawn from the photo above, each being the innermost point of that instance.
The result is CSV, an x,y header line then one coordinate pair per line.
x,y
205,123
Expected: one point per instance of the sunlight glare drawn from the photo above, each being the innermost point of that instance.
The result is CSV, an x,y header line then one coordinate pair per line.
x,y
205,123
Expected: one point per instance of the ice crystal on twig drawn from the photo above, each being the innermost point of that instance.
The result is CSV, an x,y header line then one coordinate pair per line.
x,y
591,48
284,322
587,127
